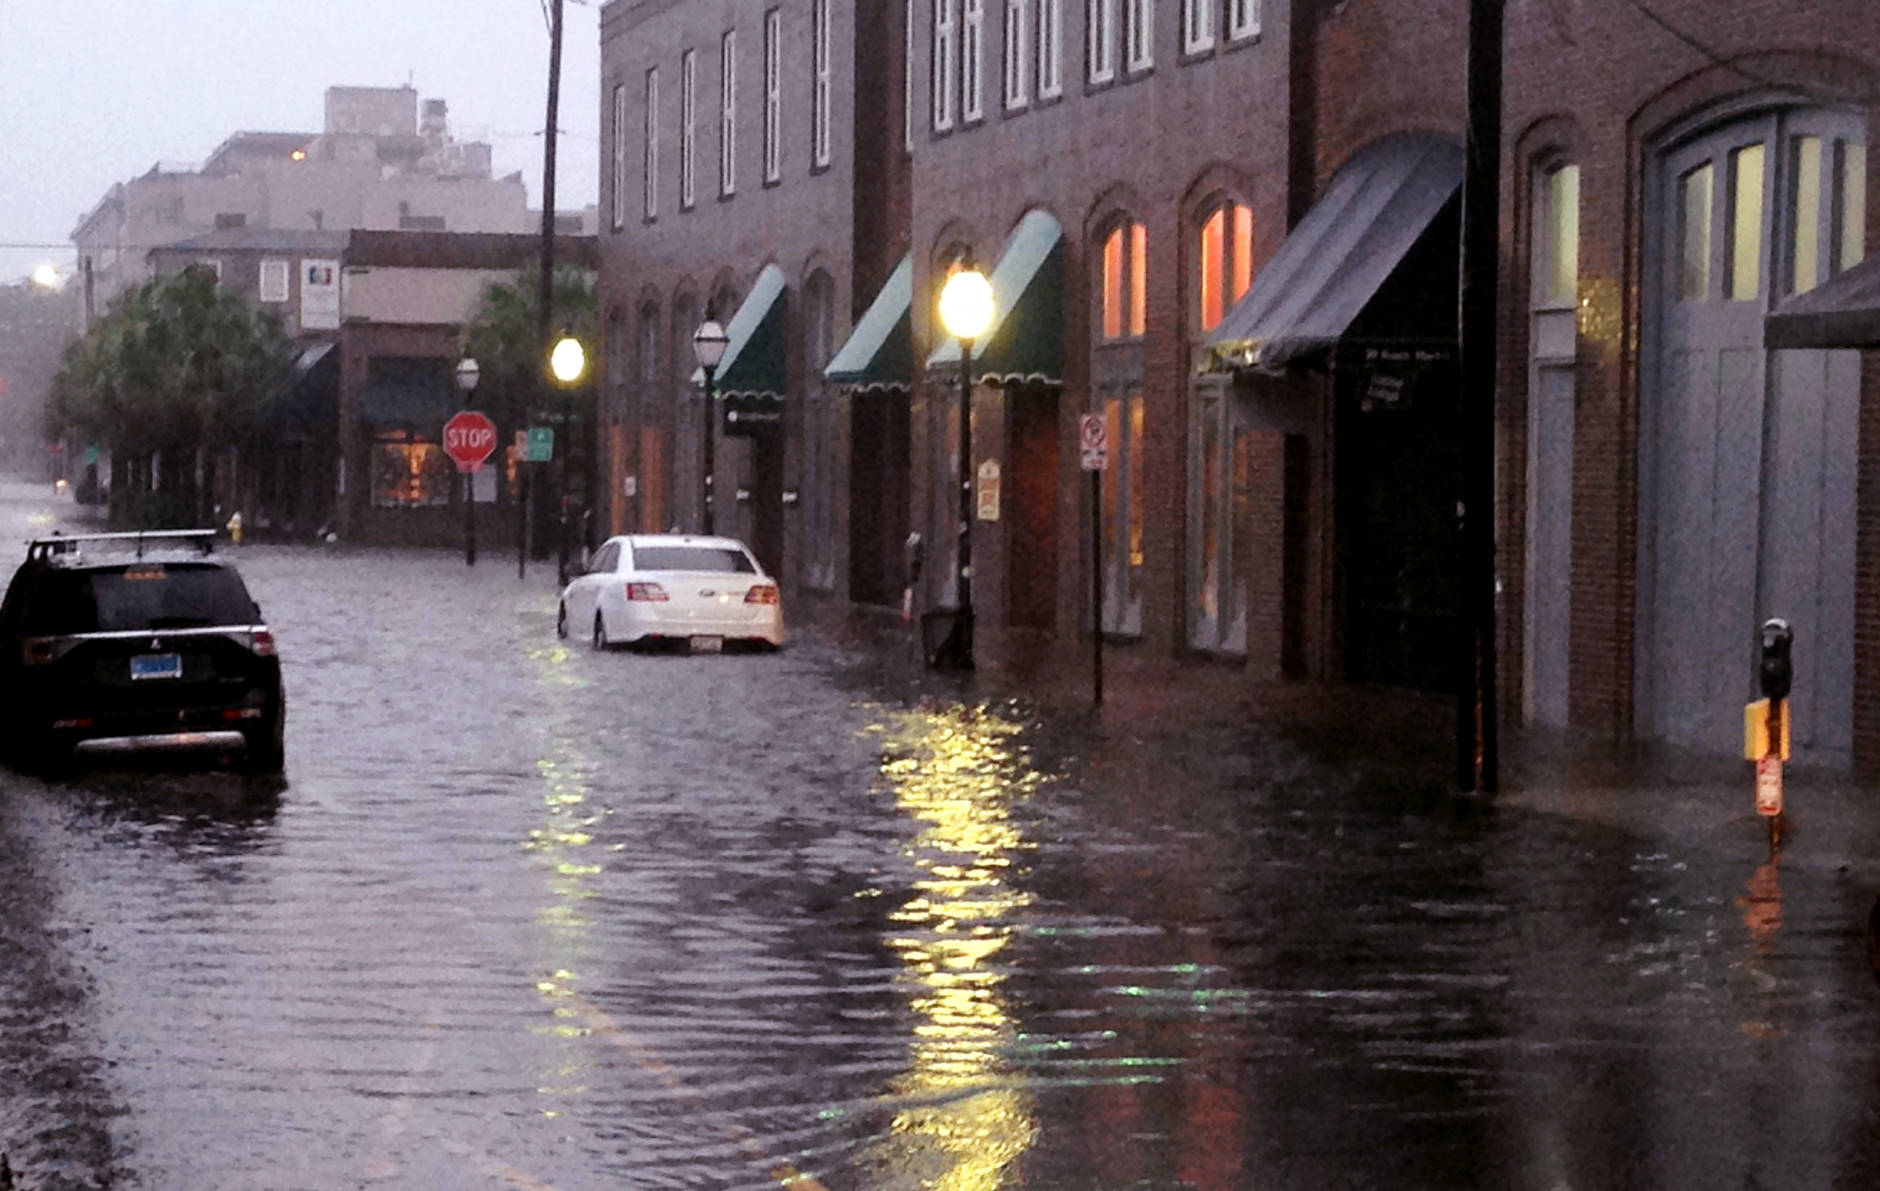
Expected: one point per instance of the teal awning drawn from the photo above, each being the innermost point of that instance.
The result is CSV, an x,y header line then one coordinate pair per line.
x,y
1026,339
879,353
754,359
417,393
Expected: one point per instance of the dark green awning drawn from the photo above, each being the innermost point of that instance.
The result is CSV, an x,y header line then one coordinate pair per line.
x,y
303,406
415,393
754,359
1843,312
879,353
1026,339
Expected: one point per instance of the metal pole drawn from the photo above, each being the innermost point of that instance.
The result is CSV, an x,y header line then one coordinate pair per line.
x,y
706,445
1096,580
469,518
546,304
1477,752
965,626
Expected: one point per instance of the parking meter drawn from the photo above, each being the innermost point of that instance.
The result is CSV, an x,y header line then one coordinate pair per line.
x,y
913,555
1776,672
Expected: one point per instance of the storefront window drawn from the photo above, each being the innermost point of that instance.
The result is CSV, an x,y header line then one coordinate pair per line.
x,y
410,473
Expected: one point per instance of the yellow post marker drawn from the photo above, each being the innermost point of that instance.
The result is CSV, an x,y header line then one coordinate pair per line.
x,y
1756,730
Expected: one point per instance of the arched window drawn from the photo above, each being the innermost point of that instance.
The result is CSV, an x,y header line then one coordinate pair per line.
x,y
818,478
1119,315
1124,297
649,344
1554,264
1224,262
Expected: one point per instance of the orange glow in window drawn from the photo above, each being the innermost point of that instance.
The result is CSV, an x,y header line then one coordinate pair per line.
x,y
1211,238
1138,285
1113,285
1243,250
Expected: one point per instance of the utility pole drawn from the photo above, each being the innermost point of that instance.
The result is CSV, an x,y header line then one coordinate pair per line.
x,y
545,303
1477,749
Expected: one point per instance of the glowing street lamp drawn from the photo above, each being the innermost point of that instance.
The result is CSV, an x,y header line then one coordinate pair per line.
x,y
467,374
966,309
567,362
708,345
46,276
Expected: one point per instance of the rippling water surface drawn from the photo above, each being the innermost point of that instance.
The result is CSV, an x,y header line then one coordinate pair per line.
x,y
524,915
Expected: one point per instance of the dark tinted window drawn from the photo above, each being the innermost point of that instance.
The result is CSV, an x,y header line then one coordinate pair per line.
x,y
691,558
137,596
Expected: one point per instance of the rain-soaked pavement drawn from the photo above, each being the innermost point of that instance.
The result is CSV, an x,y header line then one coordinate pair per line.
x,y
527,916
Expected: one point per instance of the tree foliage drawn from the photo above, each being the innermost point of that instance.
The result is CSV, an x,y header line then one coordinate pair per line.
x,y
175,364
504,336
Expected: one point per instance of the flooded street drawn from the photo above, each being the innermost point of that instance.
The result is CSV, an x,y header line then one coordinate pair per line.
x,y
523,915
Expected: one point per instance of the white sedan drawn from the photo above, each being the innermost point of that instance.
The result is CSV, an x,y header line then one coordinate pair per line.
x,y
681,589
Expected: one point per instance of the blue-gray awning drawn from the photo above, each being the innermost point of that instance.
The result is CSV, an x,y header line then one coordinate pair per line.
x,y
1318,283
304,404
415,393
1026,338
879,353
1841,312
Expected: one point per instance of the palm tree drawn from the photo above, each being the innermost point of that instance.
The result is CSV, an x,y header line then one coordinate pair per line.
x,y
171,379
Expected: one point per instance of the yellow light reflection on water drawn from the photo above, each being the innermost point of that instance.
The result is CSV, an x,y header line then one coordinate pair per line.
x,y
957,773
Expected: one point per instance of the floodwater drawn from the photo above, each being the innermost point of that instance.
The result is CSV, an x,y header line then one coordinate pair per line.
x,y
523,915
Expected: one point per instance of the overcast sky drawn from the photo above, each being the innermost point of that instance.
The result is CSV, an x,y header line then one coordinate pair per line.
x,y
94,92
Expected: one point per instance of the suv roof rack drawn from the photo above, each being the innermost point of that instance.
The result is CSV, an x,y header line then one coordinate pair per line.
x,y
39,549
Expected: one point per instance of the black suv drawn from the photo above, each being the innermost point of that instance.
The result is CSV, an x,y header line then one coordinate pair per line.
x,y
132,642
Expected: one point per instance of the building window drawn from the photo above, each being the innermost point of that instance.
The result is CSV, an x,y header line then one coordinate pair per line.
x,y
688,128
652,144
1124,301
1243,19
1557,223
1100,40
1553,344
972,56
727,113
1225,264
1198,25
1746,223
907,78
1139,33
944,29
1050,39
820,529
773,95
617,209
408,473
819,87
1017,89
649,344
213,264
274,281
1850,213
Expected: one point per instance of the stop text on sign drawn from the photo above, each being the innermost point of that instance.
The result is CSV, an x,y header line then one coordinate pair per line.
x,y
469,438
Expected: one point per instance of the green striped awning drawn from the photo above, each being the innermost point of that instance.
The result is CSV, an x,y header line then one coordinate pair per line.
x,y
754,362
879,353
1026,339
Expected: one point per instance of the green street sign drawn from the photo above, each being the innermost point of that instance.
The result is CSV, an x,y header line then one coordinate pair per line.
x,y
541,444
91,454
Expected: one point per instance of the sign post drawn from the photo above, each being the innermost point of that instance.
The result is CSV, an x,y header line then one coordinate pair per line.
x,y
1093,444
469,437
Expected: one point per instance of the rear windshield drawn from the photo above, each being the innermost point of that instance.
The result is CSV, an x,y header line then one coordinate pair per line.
x,y
691,558
138,596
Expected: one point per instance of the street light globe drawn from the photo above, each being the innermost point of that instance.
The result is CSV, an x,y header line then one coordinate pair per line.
x,y
709,343
966,304
46,277
567,361
467,373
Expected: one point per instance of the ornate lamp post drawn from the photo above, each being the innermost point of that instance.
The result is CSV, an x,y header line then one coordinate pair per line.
x,y
467,373
966,308
567,361
708,345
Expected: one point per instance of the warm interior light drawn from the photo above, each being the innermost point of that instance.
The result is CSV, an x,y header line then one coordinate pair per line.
x,y
966,304
567,361
299,155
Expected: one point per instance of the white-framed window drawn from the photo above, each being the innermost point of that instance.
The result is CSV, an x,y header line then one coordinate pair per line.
x,y
1139,34
1198,24
972,56
213,264
1100,40
819,86
688,129
274,281
1243,19
651,151
1224,264
1050,72
728,113
773,95
617,210
1016,45
945,29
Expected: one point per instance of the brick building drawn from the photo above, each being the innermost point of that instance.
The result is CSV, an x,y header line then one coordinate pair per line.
x,y
1229,227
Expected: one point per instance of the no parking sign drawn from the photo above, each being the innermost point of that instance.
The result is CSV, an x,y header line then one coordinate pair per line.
x,y
1093,438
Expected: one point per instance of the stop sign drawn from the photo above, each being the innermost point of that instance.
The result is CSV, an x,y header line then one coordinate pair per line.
x,y
469,437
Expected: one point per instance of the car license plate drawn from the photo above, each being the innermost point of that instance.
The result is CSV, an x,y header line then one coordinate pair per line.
x,y
156,665
707,643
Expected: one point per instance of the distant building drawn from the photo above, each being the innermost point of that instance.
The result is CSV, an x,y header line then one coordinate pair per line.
x,y
380,163
35,325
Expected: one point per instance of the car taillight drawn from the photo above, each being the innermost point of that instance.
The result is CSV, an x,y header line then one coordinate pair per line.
x,y
263,643
36,653
646,591
762,593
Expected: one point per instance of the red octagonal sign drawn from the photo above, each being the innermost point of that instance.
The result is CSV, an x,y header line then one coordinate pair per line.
x,y
469,437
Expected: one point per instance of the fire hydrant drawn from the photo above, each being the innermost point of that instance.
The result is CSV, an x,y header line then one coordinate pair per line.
x,y
235,528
